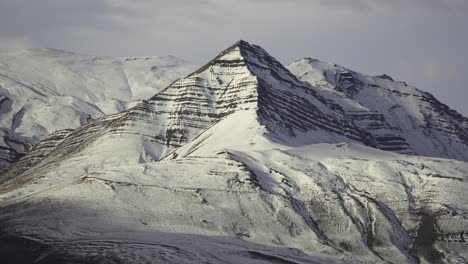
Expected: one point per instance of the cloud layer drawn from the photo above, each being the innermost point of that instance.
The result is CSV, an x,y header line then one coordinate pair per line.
x,y
422,42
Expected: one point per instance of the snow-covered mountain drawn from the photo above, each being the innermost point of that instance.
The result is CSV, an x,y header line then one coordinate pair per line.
x,y
243,161
387,108
45,90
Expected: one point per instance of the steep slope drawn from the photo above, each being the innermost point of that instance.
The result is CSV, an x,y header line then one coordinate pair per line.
x,y
43,90
229,159
242,78
381,105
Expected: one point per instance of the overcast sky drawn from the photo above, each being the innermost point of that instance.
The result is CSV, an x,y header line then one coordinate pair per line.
x,y
422,42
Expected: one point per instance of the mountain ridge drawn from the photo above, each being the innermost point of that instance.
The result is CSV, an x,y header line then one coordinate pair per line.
x,y
243,77
44,90
405,109
306,162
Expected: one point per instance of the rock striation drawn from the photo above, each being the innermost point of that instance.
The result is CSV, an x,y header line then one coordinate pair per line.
x,y
245,160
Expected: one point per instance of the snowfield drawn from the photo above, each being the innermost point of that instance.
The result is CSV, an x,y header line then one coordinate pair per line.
x,y
346,200
45,90
243,162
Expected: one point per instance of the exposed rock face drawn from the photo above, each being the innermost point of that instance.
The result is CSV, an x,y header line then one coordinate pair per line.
x,y
243,77
399,116
373,111
44,90
38,152
243,149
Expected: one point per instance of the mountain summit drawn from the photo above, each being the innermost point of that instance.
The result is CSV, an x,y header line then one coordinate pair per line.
x,y
244,77
246,160
329,104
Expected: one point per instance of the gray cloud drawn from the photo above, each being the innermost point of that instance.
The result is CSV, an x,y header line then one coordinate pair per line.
x,y
422,42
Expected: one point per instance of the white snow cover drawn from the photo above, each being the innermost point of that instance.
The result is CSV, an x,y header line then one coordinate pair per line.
x,y
45,90
360,204
429,127
241,162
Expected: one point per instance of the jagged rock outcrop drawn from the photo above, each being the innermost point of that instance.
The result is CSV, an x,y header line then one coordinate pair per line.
x,y
399,116
243,77
244,150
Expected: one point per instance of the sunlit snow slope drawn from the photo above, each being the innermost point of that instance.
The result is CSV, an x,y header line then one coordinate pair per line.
x,y
242,162
45,90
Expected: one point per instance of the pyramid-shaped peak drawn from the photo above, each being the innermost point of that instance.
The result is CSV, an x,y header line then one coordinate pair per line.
x,y
245,77
242,43
243,49
244,59
241,53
